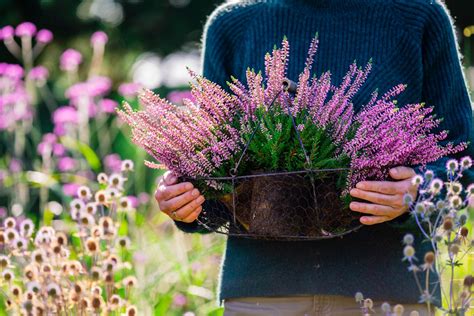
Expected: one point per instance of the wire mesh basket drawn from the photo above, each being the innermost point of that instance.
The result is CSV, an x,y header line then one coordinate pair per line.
x,y
306,204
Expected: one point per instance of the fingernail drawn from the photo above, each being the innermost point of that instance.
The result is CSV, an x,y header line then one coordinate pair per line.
x,y
200,199
173,179
353,192
354,205
360,185
394,171
195,192
188,186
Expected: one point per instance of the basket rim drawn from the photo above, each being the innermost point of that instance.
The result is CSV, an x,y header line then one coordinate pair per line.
x,y
268,174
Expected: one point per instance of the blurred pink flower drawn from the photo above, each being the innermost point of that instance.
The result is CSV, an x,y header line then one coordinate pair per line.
x,y
7,32
129,90
95,86
25,29
39,74
44,36
133,201
107,105
59,149
140,257
66,164
70,60
179,300
15,165
113,163
3,212
70,189
65,114
14,71
99,38
143,197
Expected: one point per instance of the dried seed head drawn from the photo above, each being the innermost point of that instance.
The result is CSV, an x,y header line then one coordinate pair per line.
x,y
10,222
101,197
16,291
408,239
131,311
8,275
96,274
386,308
4,261
123,242
368,303
130,281
359,297
452,165
127,165
448,224
61,238
92,245
84,193
91,208
430,257
102,178
34,287
96,302
28,306
454,249
53,290
409,251
469,281
96,290
466,162
398,309
464,231
109,278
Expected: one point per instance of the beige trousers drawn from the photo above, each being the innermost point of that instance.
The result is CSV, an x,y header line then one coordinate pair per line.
x,y
305,306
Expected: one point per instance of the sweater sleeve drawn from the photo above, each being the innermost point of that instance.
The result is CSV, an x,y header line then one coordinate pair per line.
x,y
444,86
217,51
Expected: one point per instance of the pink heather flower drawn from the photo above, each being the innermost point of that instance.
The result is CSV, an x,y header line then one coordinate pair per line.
x,y
177,97
44,36
70,189
113,163
129,90
66,164
70,60
39,74
65,114
25,29
7,33
107,105
99,38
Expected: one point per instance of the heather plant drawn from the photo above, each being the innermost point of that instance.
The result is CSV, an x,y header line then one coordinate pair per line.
x,y
80,263
310,125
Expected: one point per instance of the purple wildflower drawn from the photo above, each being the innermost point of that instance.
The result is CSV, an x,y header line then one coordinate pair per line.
x,y
99,38
25,29
44,36
70,60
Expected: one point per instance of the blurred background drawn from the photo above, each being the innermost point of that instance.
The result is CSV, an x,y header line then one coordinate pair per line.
x,y
149,43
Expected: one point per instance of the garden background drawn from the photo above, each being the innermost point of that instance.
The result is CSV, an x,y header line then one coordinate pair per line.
x,y
149,44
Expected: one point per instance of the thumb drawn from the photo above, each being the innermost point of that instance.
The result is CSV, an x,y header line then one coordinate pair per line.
x,y
170,178
402,173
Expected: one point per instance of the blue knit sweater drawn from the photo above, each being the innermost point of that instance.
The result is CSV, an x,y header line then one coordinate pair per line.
x,y
409,41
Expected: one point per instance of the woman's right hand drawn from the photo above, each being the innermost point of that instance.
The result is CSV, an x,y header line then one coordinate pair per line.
x,y
180,201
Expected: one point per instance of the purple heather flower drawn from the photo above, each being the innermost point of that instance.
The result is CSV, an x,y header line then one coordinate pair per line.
x,y
177,97
129,90
99,38
39,74
107,105
44,36
7,33
66,164
70,60
25,29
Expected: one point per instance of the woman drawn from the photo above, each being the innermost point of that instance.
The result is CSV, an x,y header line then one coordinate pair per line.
x,y
409,41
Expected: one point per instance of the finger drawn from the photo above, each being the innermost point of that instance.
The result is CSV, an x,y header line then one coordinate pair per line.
x,y
373,209
372,220
164,193
384,187
194,215
378,198
170,178
402,173
179,201
188,209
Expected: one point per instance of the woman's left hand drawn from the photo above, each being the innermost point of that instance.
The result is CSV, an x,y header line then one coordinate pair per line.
x,y
386,196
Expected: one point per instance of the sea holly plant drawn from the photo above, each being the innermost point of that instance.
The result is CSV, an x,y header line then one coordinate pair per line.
x,y
312,127
441,212
77,264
